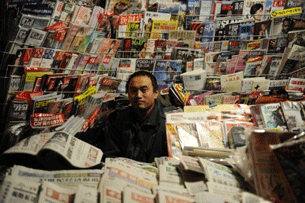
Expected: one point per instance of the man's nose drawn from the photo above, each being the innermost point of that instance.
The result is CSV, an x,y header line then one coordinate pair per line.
x,y
139,93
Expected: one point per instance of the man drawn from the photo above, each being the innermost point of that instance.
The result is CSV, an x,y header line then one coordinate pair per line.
x,y
286,26
299,41
138,132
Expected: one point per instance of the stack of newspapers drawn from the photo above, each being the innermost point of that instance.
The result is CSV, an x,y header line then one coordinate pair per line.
x,y
183,179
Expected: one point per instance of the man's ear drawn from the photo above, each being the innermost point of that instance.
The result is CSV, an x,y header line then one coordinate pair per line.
x,y
156,94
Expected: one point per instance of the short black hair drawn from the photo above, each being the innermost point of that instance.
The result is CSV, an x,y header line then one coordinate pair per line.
x,y
255,8
143,73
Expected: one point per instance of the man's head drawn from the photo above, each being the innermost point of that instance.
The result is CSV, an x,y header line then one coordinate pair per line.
x,y
286,26
299,37
142,89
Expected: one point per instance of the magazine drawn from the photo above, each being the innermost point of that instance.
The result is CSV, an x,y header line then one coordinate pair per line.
x,y
160,28
292,114
53,151
273,117
165,72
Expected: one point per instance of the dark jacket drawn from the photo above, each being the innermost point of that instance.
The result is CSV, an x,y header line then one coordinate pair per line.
x,y
126,136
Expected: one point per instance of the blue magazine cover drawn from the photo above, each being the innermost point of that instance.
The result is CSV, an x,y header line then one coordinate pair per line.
x,y
208,32
168,7
165,72
245,31
193,7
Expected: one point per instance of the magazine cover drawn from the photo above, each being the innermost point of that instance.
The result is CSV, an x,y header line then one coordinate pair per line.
x,y
145,64
253,9
296,38
36,57
262,29
220,27
267,9
169,7
35,38
165,72
193,7
29,21
20,38
160,28
245,31
273,117
278,5
208,32
123,7
47,58
123,22
109,47
281,25
198,26
232,82
292,114
133,29
253,69
83,16
148,21
187,36
226,9
205,10
58,57
232,31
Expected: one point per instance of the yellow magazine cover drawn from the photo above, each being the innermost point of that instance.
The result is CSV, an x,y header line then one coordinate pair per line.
x,y
160,28
133,29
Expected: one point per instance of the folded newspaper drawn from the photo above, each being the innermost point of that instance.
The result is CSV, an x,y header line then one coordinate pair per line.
x,y
53,151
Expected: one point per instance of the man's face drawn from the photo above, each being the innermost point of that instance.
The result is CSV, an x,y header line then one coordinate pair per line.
x,y
141,94
285,26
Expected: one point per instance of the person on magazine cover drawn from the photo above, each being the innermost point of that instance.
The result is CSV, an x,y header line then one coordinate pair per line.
x,y
299,41
257,12
286,26
138,131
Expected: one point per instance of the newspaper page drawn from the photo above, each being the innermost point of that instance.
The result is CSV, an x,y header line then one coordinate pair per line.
x,y
132,195
52,193
31,145
233,193
149,176
85,194
79,153
19,190
175,190
185,117
194,182
169,174
173,198
190,163
69,179
117,176
249,198
112,195
145,166
218,173
207,197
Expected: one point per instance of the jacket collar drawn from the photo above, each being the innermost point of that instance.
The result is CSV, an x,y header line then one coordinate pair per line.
x,y
130,117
